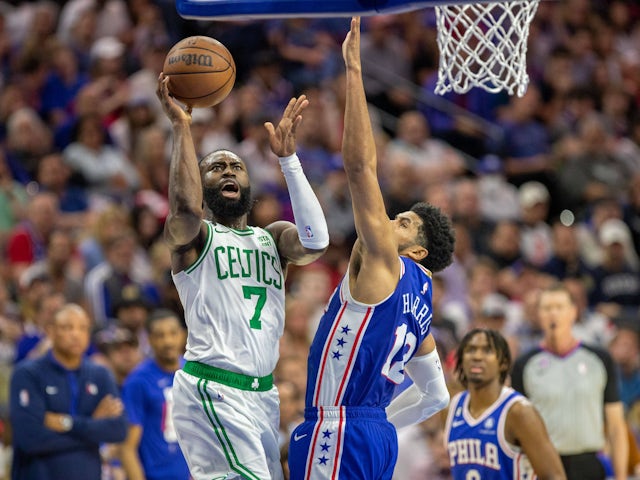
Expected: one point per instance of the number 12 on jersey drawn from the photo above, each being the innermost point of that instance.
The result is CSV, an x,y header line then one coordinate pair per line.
x,y
395,371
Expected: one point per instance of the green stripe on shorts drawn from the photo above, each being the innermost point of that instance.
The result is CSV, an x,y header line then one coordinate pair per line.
x,y
223,438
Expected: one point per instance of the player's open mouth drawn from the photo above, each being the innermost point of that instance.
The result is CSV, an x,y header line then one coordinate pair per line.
x,y
230,189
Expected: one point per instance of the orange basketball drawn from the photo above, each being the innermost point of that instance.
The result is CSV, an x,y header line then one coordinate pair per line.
x,y
201,71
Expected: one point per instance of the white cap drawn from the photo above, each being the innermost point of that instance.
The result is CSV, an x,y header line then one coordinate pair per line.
x,y
531,193
614,231
107,48
494,305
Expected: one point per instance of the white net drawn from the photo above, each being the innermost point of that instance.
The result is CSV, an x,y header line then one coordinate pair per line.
x,y
484,45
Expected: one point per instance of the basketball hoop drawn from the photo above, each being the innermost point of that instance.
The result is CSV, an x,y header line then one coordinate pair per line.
x,y
484,45
481,44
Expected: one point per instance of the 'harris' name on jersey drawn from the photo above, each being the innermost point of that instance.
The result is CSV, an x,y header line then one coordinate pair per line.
x,y
234,262
420,310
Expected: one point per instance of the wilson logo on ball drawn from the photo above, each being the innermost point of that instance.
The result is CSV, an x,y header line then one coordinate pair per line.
x,y
192,59
201,71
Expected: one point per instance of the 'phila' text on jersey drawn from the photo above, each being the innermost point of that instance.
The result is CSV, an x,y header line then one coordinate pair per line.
x,y
473,450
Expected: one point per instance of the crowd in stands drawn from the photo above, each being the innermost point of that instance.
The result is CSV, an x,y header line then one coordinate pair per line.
x,y
540,188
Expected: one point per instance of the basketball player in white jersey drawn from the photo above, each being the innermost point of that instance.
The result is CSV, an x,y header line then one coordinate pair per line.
x,y
230,278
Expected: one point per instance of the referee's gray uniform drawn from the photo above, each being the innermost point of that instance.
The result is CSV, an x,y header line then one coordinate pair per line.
x,y
570,392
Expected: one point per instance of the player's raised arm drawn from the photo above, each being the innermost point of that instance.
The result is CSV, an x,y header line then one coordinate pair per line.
x,y
185,185
359,158
309,237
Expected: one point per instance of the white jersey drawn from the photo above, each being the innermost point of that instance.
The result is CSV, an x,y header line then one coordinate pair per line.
x,y
233,298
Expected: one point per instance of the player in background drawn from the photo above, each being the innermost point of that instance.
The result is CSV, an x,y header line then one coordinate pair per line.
x,y
151,450
492,431
230,277
377,319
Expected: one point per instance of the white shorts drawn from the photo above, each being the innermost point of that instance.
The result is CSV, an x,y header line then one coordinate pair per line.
x,y
225,432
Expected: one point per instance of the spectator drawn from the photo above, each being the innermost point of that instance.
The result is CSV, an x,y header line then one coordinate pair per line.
x,y
504,245
466,210
386,66
482,281
535,232
63,269
137,115
151,159
28,138
591,326
104,225
131,312
616,283
291,408
266,74
63,407
596,169
54,176
260,160
589,227
498,197
13,200
431,160
34,341
566,259
151,449
584,419
62,85
307,51
119,350
625,351
526,144
28,241
107,283
103,168
334,197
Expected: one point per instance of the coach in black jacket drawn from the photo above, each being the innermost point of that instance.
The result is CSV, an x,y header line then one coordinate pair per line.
x,y
63,406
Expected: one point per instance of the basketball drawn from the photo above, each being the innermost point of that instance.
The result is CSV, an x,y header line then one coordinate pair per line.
x,y
201,71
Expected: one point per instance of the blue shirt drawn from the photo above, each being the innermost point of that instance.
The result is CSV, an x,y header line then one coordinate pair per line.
x,y
148,401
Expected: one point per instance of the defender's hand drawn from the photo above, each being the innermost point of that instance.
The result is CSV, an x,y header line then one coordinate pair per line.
x,y
351,45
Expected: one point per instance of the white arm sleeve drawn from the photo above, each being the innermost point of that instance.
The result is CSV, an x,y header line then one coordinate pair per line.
x,y
426,397
307,212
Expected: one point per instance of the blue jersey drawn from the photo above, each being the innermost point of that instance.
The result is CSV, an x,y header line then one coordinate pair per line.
x,y
356,360
359,351
147,398
478,448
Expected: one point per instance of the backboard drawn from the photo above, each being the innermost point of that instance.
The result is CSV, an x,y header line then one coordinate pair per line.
x,y
256,9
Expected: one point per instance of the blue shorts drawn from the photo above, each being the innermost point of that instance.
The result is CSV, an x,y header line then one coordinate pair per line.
x,y
354,443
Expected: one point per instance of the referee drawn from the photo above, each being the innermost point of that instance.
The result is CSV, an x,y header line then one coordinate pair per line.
x,y
575,388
